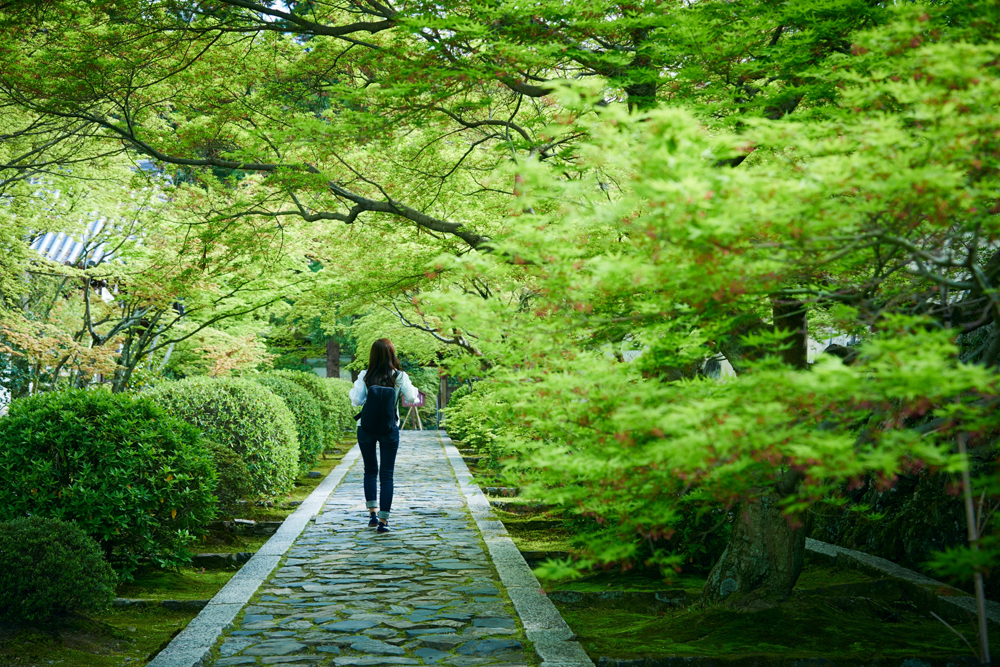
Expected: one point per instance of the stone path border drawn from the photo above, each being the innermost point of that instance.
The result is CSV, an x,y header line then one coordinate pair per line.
x,y
554,641
941,598
194,643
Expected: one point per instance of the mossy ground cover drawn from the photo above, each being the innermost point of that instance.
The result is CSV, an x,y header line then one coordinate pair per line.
x,y
805,627
109,639
536,533
183,584
831,615
645,580
822,619
223,541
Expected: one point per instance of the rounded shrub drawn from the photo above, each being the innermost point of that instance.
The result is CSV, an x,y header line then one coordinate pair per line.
x,y
244,416
130,476
307,414
340,401
51,567
327,393
234,483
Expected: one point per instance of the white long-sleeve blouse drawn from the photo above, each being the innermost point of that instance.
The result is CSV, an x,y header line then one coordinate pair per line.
x,y
359,392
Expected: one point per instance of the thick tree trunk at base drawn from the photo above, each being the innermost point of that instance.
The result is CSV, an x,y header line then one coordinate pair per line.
x,y
764,558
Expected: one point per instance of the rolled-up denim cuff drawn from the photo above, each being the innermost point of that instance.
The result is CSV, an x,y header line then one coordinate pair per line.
x,y
372,504
383,515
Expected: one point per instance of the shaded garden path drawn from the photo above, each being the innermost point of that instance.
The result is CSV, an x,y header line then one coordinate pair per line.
x,y
426,593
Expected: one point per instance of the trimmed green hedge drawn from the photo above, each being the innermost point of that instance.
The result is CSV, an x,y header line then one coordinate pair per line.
x,y
51,567
244,416
341,405
234,482
333,397
132,477
308,416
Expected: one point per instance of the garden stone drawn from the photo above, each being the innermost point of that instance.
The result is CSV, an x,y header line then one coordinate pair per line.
x,y
350,626
314,474
376,646
430,655
494,622
233,645
429,631
442,642
380,633
488,646
467,661
237,660
350,661
275,647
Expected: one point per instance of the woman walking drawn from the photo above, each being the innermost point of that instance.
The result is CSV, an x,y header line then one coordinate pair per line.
x,y
377,389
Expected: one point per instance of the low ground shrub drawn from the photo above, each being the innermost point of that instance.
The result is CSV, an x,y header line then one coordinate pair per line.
x,y
51,567
247,418
234,482
131,476
307,413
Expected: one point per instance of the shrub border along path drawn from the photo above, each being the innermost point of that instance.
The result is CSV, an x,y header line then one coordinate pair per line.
x,y
551,637
193,644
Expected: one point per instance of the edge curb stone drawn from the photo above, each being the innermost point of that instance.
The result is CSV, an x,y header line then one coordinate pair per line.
x,y
554,641
194,643
949,602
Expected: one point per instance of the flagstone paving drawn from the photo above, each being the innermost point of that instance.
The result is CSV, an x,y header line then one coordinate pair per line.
x,y
425,593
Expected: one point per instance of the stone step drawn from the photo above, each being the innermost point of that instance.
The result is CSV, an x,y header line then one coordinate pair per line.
x,y
502,491
246,526
220,561
520,508
534,557
624,599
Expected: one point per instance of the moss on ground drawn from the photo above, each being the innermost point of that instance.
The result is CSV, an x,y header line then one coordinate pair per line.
x,y
837,623
108,639
633,581
184,584
816,575
222,541
802,628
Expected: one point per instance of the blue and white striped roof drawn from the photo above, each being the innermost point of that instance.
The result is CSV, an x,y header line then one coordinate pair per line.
x,y
65,249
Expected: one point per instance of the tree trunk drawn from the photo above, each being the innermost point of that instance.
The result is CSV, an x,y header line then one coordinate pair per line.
x,y
764,557
332,359
763,561
790,315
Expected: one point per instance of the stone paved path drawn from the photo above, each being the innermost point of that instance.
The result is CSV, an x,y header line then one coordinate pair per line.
x,y
425,593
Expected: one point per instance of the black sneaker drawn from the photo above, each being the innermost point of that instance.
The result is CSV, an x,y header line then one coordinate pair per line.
x,y
382,528
372,521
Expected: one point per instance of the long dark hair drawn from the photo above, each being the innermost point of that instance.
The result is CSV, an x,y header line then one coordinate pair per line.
x,y
383,365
